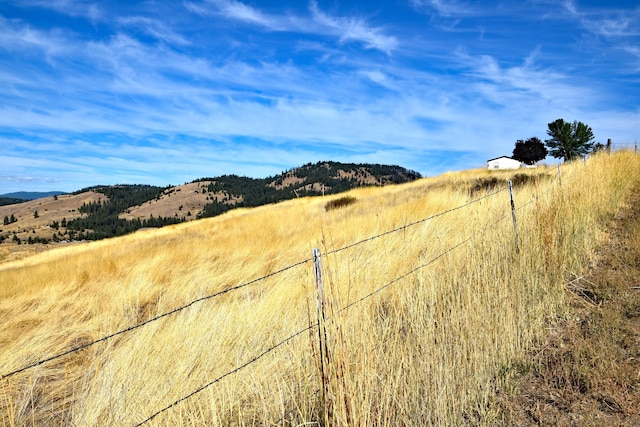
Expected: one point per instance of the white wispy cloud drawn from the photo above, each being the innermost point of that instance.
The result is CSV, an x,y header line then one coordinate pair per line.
x,y
155,28
445,8
526,79
376,76
128,67
242,12
608,22
346,29
570,6
353,29
238,11
21,179
621,26
16,36
634,52
88,9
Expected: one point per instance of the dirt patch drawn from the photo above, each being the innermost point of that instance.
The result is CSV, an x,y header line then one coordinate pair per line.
x,y
587,373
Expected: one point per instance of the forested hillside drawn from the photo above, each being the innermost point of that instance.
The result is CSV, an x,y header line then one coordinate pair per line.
x,y
308,180
117,210
102,217
4,201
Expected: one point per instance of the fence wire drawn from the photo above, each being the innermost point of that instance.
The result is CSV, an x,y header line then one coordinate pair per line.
x,y
300,332
411,224
154,319
231,372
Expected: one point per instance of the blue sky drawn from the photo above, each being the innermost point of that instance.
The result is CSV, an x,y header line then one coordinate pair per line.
x,y
164,92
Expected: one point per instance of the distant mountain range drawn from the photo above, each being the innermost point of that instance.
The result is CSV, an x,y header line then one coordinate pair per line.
x,y
105,211
33,195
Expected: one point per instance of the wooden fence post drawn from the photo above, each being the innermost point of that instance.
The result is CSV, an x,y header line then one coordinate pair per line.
x,y
559,176
513,215
322,335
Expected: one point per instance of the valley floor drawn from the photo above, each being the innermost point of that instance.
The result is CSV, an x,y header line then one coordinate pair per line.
x,y
588,370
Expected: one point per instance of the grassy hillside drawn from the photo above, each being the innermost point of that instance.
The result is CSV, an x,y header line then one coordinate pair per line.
x,y
34,220
422,321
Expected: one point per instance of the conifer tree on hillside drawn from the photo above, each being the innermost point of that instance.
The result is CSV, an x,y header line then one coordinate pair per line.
x,y
569,140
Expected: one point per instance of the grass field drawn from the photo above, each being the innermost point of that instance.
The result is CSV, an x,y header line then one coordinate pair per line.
x,y
437,309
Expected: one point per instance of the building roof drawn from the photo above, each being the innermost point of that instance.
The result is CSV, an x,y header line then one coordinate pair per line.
x,y
502,157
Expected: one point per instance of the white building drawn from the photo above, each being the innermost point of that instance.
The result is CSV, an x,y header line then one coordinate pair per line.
x,y
503,162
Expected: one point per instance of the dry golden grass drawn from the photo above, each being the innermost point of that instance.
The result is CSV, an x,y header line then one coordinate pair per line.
x,y
424,350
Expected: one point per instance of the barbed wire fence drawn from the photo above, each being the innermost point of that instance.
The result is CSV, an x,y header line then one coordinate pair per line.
x,y
152,320
346,307
301,331
619,146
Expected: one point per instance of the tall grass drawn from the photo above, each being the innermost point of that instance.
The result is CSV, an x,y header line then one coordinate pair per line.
x,y
422,322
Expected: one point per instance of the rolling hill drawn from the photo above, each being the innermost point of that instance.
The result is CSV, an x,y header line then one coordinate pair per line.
x,y
101,212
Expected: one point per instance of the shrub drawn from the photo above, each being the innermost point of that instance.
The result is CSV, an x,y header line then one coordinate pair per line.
x,y
340,203
522,178
485,184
